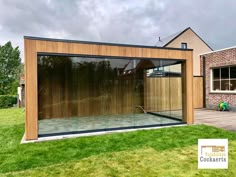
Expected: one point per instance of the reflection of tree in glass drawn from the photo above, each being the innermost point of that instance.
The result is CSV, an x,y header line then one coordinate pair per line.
x,y
94,74
52,68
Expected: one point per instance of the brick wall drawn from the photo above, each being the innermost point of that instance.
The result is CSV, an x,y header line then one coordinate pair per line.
x,y
218,59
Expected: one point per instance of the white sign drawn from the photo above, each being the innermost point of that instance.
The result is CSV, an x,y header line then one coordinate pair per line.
x,y
213,153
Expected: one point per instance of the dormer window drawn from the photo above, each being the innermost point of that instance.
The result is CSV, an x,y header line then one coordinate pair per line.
x,y
184,45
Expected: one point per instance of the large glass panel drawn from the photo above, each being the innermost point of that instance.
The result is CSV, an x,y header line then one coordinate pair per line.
x,y
172,100
162,85
224,73
216,85
233,85
119,93
84,94
225,85
216,73
233,72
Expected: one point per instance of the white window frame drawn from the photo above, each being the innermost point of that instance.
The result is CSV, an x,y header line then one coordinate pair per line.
x,y
211,81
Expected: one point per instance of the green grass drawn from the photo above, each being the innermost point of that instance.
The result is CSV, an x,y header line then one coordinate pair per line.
x,y
10,117
179,162
161,152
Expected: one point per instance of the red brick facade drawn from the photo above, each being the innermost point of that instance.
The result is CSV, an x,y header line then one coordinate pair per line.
x,y
218,59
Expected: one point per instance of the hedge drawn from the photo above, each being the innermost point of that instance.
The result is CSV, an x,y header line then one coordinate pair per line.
x,y
7,101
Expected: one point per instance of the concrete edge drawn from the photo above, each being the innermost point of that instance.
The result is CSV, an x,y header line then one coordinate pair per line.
x,y
61,137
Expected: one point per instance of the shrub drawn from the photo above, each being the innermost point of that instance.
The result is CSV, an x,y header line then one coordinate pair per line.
x,y
7,101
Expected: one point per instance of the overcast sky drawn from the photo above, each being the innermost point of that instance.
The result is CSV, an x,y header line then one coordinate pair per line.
x,y
120,21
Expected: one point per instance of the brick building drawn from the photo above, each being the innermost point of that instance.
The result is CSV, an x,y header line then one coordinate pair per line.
x,y
219,71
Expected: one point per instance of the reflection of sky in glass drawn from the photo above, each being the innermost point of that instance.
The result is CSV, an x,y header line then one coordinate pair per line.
x,y
115,63
124,63
89,87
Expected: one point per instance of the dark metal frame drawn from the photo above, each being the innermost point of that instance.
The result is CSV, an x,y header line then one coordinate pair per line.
x,y
102,43
118,128
109,129
166,116
108,57
103,56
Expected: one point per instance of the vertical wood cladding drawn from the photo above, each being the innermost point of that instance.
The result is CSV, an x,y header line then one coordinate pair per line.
x,y
33,46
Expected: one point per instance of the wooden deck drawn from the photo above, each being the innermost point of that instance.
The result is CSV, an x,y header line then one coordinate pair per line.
x,y
225,120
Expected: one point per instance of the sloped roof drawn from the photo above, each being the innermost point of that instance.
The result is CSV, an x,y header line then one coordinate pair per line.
x,y
228,48
167,40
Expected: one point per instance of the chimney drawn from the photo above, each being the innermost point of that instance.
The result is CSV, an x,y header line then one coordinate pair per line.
x,y
159,39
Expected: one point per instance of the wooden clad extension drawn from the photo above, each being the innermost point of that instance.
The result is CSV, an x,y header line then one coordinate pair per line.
x,y
34,46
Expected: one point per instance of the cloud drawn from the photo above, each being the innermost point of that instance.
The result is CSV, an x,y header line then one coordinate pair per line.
x,y
121,21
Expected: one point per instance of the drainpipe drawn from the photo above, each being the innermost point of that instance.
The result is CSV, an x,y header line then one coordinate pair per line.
x,y
204,80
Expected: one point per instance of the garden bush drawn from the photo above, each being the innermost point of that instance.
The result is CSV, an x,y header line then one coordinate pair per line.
x,y
7,101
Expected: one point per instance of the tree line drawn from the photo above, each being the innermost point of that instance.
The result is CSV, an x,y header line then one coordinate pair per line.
x,y
10,69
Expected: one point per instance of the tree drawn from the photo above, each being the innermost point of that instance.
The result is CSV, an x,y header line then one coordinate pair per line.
x,y
9,69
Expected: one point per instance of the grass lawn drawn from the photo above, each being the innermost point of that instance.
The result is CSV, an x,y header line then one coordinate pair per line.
x,y
161,152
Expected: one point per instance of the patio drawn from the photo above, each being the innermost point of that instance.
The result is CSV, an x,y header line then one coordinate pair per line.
x,y
225,120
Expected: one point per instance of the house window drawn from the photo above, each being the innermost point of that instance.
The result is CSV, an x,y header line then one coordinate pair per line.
x,y
223,79
184,45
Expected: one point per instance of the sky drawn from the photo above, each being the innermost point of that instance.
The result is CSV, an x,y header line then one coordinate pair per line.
x,y
118,21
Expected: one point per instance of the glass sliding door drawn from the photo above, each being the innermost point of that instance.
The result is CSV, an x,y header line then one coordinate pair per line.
x,y
88,94
170,88
162,91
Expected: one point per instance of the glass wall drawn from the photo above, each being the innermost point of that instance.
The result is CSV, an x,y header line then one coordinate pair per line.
x,y
84,94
